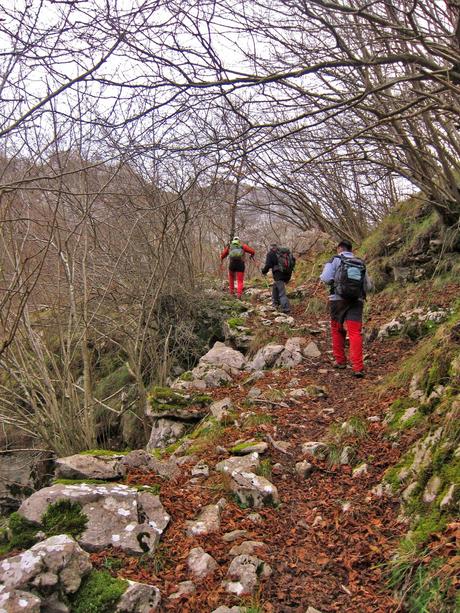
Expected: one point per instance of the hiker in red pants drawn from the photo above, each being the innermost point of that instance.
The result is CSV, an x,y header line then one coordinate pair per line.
x,y
349,283
235,252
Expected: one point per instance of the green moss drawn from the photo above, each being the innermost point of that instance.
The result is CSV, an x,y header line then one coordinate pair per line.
x,y
242,446
186,376
265,469
166,399
151,489
98,593
64,517
207,433
113,382
392,474
81,481
103,452
20,534
235,322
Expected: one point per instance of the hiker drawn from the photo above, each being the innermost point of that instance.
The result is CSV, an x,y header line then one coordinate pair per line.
x,y
348,284
235,252
281,262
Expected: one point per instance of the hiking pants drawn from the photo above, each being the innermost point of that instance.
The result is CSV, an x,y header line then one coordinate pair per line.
x,y
239,282
347,317
279,297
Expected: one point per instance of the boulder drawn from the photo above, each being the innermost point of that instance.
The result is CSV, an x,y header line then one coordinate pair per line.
x,y
118,515
139,598
165,402
167,431
239,336
87,466
57,564
303,469
234,535
239,464
247,447
23,472
200,563
211,376
224,357
244,574
183,589
208,520
266,357
200,470
253,490
141,459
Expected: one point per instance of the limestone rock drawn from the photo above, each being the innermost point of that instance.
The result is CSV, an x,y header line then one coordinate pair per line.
x,y
139,598
246,548
432,489
183,589
266,357
85,466
244,573
221,409
256,518
211,376
17,601
58,563
348,455
360,471
449,497
200,470
224,609
208,520
312,610
23,472
252,490
315,449
303,469
224,357
311,350
143,460
285,319
200,563
118,515
165,432
292,354
239,464
234,535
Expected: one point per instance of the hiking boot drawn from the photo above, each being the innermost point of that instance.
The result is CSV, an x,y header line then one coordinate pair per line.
x,y
359,374
340,366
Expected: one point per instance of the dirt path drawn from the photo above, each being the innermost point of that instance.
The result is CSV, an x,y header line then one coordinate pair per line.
x,y
329,540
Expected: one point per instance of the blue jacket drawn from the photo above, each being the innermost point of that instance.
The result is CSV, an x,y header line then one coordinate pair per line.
x,y
330,269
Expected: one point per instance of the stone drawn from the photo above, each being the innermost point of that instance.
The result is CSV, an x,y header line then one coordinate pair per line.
x,y
211,376
285,319
373,419
165,432
316,391
410,489
85,466
59,563
236,464
448,499
408,413
312,610
282,446
18,601
208,520
143,460
247,548
255,518
266,357
200,563
221,409
360,471
292,354
254,392
234,535
224,357
200,470
346,506
311,350
139,598
348,455
315,449
118,515
432,489
249,447
303,469
23,472
298,393
253,490
224,609
184,588
244,573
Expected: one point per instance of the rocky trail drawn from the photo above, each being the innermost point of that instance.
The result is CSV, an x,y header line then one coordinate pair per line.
x,y
321,539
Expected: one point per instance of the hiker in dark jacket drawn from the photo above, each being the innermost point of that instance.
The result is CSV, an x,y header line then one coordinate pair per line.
x,y
280,278
236,252
346,315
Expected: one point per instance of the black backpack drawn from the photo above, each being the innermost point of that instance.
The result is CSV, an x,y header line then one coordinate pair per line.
x,y
349,278
286,261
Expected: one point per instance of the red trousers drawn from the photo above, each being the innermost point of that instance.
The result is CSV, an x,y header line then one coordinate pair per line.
x,y
347,318
239,282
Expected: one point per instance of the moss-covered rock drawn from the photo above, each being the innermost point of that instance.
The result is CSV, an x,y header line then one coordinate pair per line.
x,y
98,593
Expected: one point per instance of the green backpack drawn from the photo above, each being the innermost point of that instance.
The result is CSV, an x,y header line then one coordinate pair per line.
x,y
236,251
